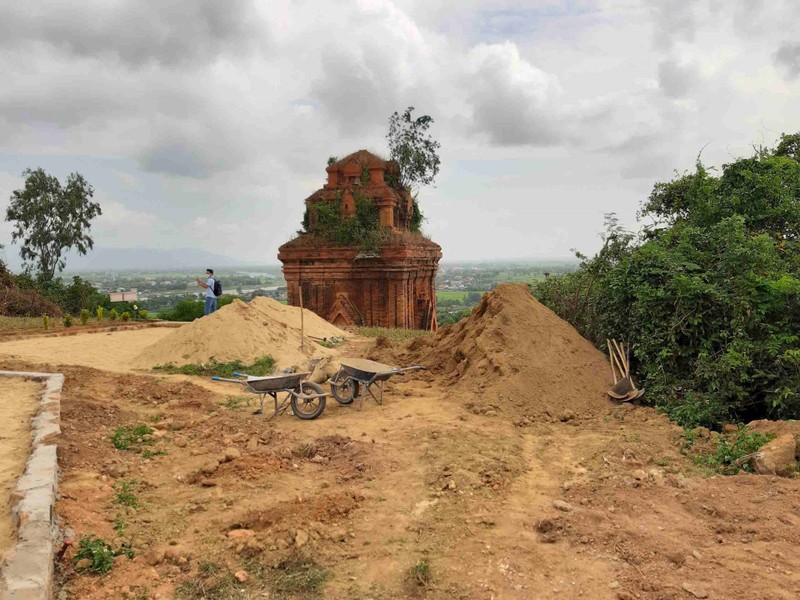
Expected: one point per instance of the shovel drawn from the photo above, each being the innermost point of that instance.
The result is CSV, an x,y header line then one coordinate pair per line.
x,y
624,389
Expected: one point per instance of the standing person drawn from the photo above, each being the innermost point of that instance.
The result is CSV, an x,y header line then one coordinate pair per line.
x,y
211,298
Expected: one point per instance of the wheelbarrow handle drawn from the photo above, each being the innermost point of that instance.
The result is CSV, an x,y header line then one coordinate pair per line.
x,y
414,368
228,379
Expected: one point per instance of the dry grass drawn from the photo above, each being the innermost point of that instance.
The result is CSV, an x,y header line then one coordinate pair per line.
x,y
23,323
393,335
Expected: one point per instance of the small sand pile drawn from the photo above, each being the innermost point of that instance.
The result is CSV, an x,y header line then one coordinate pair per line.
x,y
519,357
243,331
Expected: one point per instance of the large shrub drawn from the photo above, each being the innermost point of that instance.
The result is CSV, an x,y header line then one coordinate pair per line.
x,y
72,298
189,310
708,296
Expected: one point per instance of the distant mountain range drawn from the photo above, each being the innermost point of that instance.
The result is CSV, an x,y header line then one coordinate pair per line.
x,y
126,259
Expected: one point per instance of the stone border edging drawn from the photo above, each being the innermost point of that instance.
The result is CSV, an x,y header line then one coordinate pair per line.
x,y
27,572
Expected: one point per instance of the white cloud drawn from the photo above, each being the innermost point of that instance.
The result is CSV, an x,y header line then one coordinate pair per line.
x,y
512,101
228,111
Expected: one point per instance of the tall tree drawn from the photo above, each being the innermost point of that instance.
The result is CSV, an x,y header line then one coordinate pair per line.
x,y
414,151
51,219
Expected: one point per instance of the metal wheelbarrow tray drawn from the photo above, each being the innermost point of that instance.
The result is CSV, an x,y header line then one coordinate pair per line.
x,y
307,399
356,376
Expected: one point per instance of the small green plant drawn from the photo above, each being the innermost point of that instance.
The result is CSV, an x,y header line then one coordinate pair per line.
x,y
84,316
99,313
68,320
99,552
236,402
733,451
126,316
125,437
126,549
46,321
120,523
113,314
153,453
262,366
125,493
420,574
143,315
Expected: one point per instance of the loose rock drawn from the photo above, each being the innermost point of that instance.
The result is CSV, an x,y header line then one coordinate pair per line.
x,y
563,506
777,457
210,467
695,590
232,454
241,576
235,534
300,538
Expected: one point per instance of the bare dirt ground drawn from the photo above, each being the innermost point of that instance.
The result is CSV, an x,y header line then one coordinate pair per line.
x,y
103,349
439,493
19,400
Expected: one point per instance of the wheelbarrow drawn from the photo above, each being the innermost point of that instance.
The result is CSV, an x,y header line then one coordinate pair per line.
x,y
307,399
356,376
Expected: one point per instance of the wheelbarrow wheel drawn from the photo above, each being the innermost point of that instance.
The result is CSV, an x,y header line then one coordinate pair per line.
x,y
345,389
307,407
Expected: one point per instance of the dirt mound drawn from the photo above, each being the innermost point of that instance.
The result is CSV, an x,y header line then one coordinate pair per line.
x,y
17,302
518,357
243,331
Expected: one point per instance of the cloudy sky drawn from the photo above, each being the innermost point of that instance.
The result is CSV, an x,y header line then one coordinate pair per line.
x,y
204,124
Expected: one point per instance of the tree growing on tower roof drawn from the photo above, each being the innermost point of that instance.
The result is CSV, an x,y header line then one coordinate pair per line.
x,y
414,151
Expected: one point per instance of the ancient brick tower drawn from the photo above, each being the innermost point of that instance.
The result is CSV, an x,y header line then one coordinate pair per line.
x,y
392,287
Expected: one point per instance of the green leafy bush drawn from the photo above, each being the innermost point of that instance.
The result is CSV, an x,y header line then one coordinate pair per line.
x,y
99,552
362,229
68,320
126,316
416,216
99,313
84,316
113,314
46,322
189,310
708,297
70,298
732,452
142,315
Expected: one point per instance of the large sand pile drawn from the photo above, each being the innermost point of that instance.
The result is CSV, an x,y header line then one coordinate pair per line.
x,y
243,331
519,356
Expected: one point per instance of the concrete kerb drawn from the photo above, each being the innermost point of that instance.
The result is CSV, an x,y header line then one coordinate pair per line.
x,y
27,572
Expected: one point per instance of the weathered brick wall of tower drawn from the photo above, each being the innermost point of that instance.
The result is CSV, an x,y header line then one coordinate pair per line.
x,y
392,288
